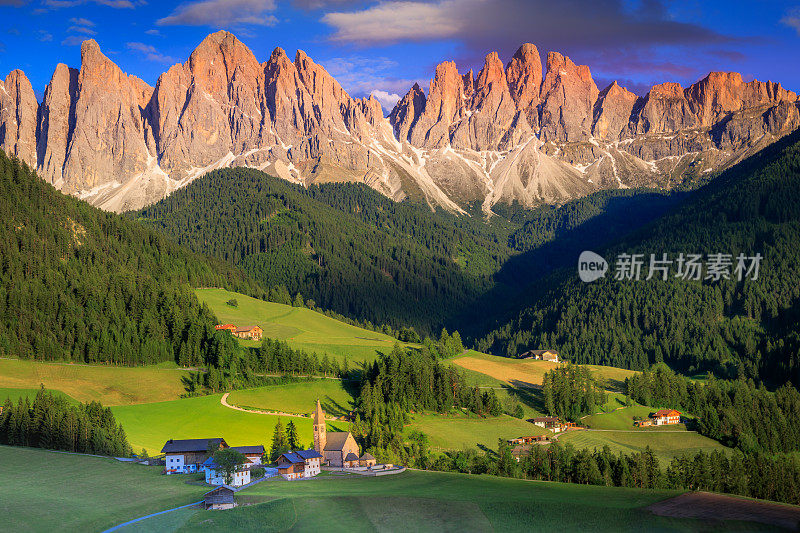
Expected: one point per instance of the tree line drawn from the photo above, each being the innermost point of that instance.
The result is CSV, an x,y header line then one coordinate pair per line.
x,y
736,413
406,381
571,391
756,475
51,422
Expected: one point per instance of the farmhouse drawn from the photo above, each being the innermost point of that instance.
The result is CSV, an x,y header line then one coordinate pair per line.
x,y
187,455
303,463
541,355
334,447
665,417
249,332
253,453
216,476
550,422
219,498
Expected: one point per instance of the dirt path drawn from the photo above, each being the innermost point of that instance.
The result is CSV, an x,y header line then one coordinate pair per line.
x,y
224,401
709,506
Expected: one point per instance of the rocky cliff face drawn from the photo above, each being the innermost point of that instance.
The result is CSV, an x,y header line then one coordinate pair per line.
x,y
515,132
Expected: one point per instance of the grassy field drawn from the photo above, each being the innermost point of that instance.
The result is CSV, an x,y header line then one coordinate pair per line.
x,y
111,385
15,394
150,425
297,397
458,432
528,373
432,501
50,491
302,328
666,444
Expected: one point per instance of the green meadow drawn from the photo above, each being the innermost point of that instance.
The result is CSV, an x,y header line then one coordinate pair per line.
x,y
299,398
111,385
300,327
434,501
16,394
666,444
461,431
150,425
52,491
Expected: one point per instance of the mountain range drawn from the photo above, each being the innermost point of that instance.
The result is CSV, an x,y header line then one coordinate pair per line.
x,y
521,132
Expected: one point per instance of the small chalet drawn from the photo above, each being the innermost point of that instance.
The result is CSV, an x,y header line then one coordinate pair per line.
x,y
187,455
541,355
253,453
219,498
250,332
215,475
303,463
225,327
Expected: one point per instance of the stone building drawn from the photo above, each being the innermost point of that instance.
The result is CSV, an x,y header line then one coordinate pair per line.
x,y
334,446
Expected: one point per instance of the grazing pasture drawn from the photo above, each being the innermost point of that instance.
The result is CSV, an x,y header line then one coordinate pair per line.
x,y
110,385
435,501
301,328
42,490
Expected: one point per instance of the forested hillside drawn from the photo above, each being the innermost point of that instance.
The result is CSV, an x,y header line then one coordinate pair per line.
x,y
346,247
81,284
352,250
735,328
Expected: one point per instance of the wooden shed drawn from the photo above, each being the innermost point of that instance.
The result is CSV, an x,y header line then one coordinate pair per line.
x,y
219,498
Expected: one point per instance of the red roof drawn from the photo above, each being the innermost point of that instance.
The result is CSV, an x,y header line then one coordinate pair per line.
x,y
667,412
224,326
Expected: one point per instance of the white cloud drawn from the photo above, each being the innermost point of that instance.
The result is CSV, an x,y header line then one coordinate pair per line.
x,y
72,40
222,13
82,29
150,52
44,36
388,101
361,76
153,32
116,4
792,19
399,21
80,21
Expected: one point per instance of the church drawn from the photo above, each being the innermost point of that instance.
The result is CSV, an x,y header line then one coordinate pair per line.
x,y
334,447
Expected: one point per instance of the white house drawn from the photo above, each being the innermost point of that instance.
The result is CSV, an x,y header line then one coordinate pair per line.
x,y
303,463
186,456
215,475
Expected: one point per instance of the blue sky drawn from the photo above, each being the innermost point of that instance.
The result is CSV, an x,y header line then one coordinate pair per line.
x,y
388,45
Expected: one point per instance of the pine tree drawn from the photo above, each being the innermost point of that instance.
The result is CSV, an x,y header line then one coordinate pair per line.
x,y
279,443
292,440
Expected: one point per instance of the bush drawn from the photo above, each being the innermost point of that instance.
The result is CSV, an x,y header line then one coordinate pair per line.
x,y
257,472
233,302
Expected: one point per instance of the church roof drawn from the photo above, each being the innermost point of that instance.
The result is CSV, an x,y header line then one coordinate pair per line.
x,y
351,457
367,457
335,440
319,415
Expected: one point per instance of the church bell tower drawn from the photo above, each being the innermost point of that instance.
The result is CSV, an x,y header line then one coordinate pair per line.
x,y
319,430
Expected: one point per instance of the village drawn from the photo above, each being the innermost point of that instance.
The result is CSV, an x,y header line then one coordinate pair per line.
x,y
232,468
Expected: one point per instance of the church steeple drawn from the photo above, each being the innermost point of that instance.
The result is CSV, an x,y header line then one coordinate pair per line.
x,y
320,438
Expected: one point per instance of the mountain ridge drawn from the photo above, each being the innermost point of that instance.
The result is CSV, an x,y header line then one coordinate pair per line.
x,y
520,132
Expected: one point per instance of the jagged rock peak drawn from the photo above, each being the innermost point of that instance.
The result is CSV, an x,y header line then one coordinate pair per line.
x,y
492,72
